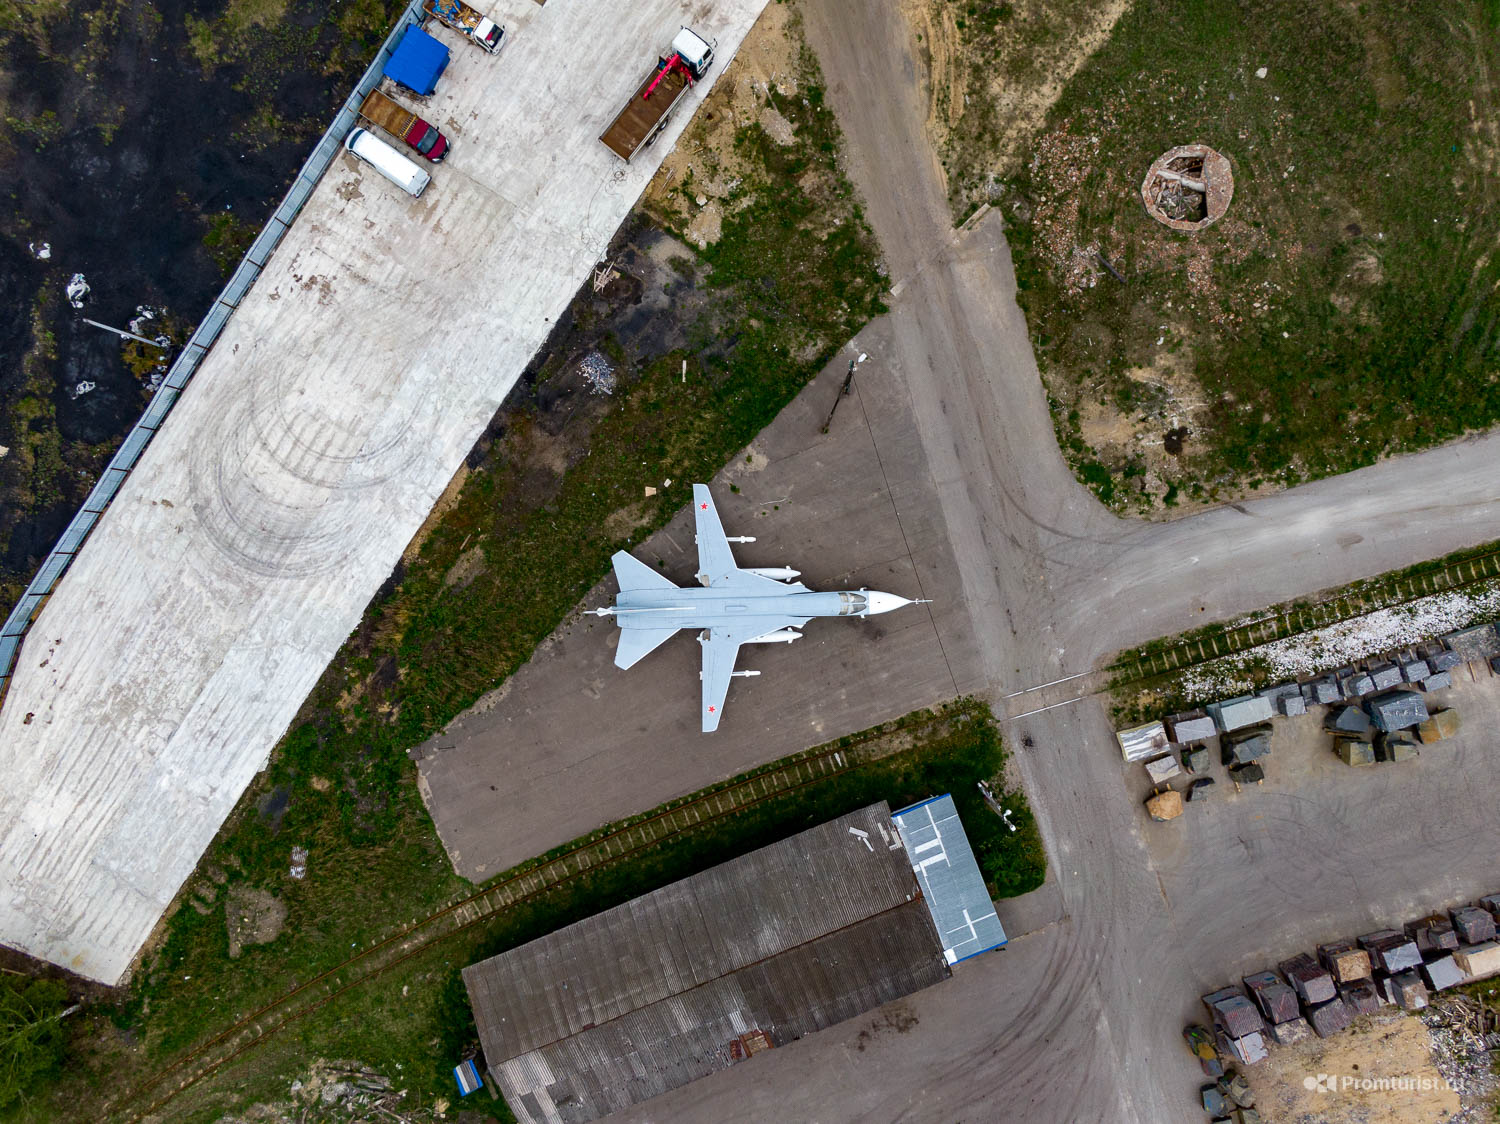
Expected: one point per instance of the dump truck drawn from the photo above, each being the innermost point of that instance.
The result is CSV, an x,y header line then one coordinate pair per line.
x,y
472,24
650,107
404,125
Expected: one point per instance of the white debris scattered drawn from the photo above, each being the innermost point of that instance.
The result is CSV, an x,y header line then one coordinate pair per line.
x,y
4,449
77,290
299,862
1261,73
862,357
42,252
598,372
143,312
81,389
1315,652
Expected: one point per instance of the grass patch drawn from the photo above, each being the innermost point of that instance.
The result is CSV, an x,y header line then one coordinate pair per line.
x,y
993,68
1344,308
414,1022
227,238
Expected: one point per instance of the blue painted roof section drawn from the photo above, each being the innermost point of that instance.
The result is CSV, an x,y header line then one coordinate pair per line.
x,y
417,62
467,1076
949,875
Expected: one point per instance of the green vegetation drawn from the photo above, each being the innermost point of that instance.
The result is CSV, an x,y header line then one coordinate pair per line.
x,y
993,66
227,239
31,1035
1342,310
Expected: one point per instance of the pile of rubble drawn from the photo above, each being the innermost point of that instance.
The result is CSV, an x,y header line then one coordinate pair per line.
x,y
1322,995
1464,1034
1188,187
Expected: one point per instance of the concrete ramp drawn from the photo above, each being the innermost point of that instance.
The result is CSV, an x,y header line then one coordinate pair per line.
x,y
299,462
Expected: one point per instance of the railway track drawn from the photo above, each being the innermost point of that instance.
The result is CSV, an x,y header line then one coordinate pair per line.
x,y
523,884
1142,665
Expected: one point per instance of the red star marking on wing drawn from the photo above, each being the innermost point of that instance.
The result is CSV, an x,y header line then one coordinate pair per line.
x,y
710,710
704,506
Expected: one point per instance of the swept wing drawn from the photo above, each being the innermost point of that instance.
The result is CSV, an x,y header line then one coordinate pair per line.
x,y
717,568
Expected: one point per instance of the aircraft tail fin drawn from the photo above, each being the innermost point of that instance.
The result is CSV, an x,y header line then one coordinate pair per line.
x,y
632,573
637,643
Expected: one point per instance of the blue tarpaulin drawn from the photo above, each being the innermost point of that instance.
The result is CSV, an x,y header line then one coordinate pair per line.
x,y
417,62
467,1076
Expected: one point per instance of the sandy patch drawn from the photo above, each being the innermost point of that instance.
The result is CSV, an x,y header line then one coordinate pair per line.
x,y
621,523
468,566
1382,1070
704,164
252,917
445,503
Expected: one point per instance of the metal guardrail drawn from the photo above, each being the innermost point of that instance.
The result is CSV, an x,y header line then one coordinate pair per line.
x,y
71,541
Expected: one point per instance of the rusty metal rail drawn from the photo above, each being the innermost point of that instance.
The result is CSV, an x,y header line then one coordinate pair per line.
x,y
1366,597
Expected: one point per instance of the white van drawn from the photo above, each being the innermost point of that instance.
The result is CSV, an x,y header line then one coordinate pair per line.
x,y
387,161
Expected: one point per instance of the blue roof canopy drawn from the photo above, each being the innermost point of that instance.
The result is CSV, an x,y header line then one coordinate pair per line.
x,y
417,62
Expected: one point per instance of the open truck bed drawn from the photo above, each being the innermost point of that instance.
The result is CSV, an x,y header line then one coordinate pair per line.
x,y
643,116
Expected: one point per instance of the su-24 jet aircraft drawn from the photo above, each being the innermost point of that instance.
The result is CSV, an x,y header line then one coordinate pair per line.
x,y
750,606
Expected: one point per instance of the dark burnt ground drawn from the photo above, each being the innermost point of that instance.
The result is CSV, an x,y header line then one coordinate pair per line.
x,y
147,144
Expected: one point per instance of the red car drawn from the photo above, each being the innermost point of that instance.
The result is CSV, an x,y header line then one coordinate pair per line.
x,y
426,139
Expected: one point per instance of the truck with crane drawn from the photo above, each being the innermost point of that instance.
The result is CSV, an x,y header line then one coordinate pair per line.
x,y
650,107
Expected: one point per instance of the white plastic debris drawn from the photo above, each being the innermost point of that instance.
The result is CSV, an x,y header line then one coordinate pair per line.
x,y
299,862
42,252
82,388
77,290
598,372
1261,73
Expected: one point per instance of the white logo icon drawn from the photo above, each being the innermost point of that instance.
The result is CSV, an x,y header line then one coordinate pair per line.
x,y
1322,1083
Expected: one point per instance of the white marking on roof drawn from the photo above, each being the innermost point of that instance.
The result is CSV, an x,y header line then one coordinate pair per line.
x,y
951,882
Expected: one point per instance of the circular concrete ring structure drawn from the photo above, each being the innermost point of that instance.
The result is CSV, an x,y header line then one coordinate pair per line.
x,y
1188,187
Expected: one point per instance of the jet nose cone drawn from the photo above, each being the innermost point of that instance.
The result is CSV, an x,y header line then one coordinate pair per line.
x,y
884,603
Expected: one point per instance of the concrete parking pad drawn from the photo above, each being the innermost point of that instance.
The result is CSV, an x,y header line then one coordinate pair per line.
x,y
305,454
571,742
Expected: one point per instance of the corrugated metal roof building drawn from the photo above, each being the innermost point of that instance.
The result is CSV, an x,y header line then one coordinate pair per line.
x,y
698,975
952,884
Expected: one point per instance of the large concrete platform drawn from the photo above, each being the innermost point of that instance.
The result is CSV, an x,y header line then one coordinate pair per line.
x,y
305,454
571,742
